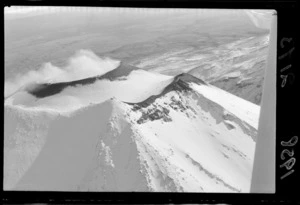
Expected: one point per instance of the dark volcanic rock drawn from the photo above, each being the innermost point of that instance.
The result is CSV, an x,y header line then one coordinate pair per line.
x,y
155,114
180,83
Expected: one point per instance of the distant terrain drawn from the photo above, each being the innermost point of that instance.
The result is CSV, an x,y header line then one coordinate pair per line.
x,y
236,66
160,42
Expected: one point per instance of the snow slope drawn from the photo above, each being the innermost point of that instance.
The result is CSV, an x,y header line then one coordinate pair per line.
x,y
141,132
204,147
240,107
73,151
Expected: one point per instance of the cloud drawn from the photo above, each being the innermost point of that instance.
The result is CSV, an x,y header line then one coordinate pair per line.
x,y
82,65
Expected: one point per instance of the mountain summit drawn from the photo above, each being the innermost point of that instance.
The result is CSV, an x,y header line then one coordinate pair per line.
x,y
179,83
177,134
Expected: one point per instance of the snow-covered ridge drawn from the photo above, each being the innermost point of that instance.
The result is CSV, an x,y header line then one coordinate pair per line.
x,y
179,83
140,132
243,109
84,154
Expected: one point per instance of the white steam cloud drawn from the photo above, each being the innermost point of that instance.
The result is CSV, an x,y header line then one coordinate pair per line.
x,y
83,64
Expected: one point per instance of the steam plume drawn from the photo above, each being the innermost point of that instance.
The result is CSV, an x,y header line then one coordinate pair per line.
x,y
83,64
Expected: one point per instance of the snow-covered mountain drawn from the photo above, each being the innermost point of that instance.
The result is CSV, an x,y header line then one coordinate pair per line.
x,y
139,131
